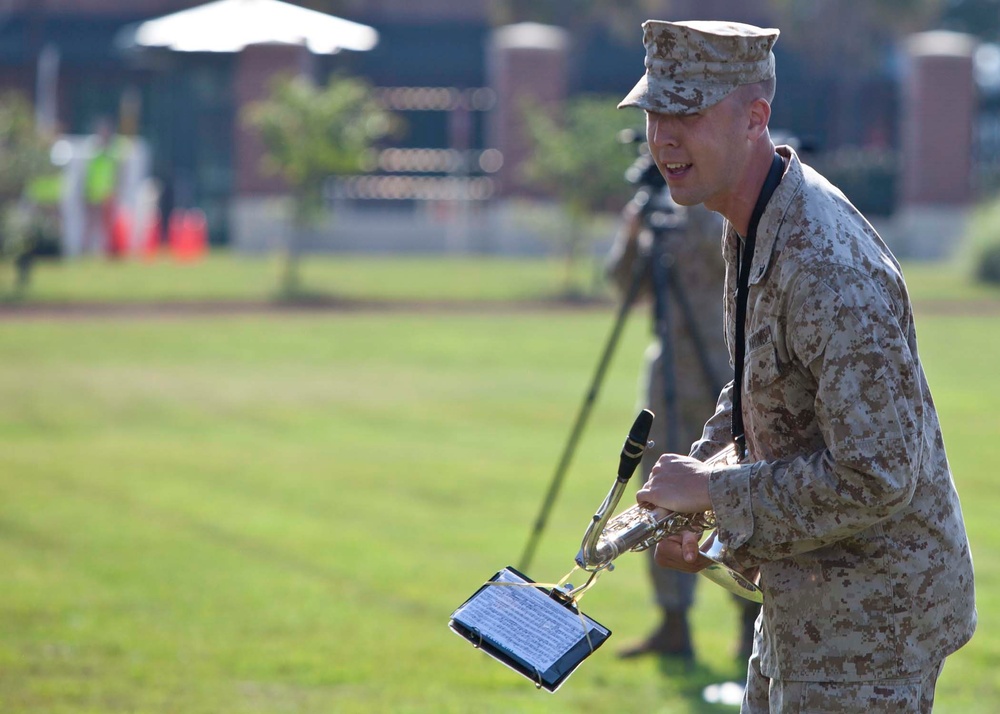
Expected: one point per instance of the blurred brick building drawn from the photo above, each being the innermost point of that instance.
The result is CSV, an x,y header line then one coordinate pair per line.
x,y
436,63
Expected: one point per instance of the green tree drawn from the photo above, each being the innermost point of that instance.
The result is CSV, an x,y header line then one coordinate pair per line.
x,y
24,159
24,153
581,163
311,133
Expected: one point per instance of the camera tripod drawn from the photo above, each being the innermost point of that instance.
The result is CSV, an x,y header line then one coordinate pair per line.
x,y
655,263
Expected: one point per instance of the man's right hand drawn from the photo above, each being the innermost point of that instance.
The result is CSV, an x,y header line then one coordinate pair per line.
x,y
680,552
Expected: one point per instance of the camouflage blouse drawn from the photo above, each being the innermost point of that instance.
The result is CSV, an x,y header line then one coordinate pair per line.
x,y
847,504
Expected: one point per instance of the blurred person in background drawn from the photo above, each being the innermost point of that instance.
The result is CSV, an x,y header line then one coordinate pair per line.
x,y
843,500
100,185
166,200
690,249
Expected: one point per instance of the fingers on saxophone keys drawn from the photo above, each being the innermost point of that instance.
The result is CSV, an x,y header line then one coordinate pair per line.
x,y
671,553
689,546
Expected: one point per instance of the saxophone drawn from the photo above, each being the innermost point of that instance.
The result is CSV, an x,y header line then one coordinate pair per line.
x,y
643,525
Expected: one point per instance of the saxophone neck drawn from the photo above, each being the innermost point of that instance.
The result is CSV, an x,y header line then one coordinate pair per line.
x,y
631,456
587,558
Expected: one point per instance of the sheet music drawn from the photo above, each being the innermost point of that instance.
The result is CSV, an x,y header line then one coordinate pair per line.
x,y
524,621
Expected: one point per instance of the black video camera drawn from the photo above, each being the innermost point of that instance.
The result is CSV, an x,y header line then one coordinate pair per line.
x,y
659,211
643,172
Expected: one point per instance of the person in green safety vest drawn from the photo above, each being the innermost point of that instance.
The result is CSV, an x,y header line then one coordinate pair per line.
x,y
100,185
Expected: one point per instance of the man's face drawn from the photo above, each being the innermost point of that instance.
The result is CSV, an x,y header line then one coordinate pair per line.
x,y
701,155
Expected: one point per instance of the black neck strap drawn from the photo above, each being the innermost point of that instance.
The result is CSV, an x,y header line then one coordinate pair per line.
x,y
743,263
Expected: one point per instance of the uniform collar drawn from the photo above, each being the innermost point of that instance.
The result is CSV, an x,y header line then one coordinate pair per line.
x,y
774,214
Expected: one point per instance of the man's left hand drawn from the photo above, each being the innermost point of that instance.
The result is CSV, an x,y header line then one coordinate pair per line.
x,y
678,483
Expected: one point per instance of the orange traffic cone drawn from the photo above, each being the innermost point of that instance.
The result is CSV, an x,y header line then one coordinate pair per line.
x,y
118,238
189,237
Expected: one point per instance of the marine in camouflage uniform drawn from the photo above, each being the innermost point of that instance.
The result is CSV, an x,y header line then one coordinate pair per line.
x,y
695,251
846,504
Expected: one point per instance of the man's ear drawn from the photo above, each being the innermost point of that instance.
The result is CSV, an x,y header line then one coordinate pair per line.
x,y
759,115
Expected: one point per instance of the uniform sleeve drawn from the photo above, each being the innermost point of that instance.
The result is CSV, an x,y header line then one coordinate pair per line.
x,y
718,430
845,335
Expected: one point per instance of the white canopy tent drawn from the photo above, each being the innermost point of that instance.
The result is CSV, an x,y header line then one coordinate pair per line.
x,y
231,25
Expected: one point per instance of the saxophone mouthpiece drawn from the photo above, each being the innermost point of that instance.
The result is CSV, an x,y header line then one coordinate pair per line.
x,y
635,445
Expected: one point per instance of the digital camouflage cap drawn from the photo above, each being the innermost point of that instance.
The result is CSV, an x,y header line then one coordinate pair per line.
x,y
693,65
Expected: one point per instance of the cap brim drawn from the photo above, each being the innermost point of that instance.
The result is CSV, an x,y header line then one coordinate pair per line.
x,y
637,96
664,101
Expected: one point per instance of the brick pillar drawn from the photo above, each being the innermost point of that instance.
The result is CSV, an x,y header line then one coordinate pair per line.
x,y
256,67
526,61
936,172
939,101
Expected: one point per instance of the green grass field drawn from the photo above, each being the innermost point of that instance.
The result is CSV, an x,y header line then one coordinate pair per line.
x,y
227,278
277,511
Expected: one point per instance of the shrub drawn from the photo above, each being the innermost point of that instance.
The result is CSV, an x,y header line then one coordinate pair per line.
x,y
988,265
982,243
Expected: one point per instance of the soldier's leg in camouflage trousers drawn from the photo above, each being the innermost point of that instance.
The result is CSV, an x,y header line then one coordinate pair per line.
x,y
674,592
913,694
